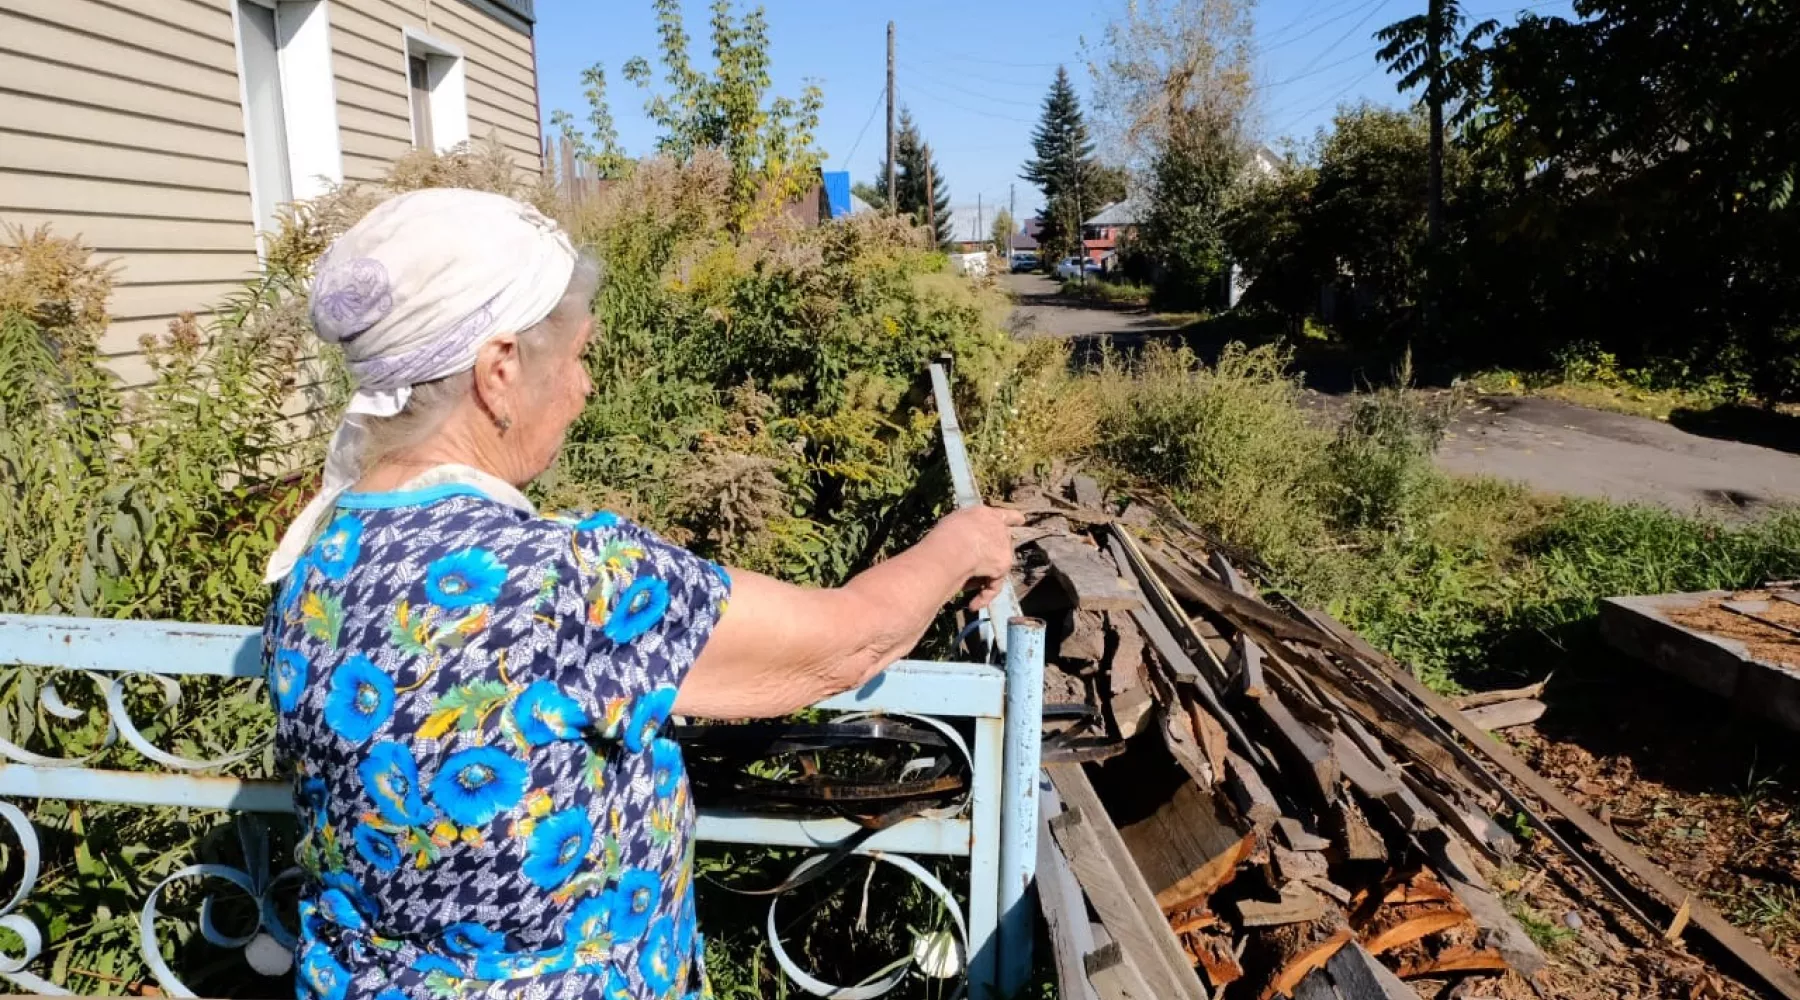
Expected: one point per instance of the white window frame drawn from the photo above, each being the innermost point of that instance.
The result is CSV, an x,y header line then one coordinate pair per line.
x,y
308,96
447,83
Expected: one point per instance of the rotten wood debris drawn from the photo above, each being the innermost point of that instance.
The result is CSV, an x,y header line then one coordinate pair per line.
x,y
1262,805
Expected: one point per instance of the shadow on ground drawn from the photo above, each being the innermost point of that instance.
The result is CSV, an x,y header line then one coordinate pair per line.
x,y
1750,424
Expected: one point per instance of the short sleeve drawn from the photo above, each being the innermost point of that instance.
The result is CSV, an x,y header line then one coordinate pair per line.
x,y
650,606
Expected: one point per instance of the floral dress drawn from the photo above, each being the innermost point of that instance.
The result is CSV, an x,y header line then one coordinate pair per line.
x,y
470,699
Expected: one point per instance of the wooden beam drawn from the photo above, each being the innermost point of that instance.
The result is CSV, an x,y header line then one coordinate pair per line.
x,y
1296,904
1249,792
1089,580
1110,974
1105,869
1087,492
1302,748
1358,976
1480,698
1187,849
1063,906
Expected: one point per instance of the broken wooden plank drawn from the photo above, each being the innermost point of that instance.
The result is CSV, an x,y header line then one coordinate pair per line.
x,y
1129,689
1212,951
1296,904
1287,953
1116,888
1251,795
1358,976
1298,837
1090,582
1476,826
1187,848
1086,492
1247,658
1084,637
1507,714
1364,774
1063,906
1228,575
1420,906
1301,747
1112,976
1316,986
1480,698
1353,837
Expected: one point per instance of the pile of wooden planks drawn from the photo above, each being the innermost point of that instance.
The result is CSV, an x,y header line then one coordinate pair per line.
x,y
1240,803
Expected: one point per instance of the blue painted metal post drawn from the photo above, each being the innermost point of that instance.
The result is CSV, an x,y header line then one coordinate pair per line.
x,y
1019,828
987,813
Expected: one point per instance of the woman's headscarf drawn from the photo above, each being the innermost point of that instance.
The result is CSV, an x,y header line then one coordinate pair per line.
x,y
410,293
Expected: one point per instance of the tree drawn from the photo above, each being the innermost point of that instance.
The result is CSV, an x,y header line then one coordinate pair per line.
x,y
1168,65
911,190
768,142
1419,48
1003,230
1062,166
1183,233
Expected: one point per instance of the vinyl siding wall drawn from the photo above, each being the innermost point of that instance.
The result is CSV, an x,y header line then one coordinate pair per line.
x,y
121,122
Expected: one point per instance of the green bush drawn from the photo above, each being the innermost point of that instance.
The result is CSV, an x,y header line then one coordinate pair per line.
x,y
1093,289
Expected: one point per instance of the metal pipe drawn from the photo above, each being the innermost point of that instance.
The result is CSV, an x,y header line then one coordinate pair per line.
x,y
1019,798
988,816
1005,605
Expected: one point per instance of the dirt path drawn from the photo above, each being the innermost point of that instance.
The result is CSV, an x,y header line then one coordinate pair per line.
x,y
1549,445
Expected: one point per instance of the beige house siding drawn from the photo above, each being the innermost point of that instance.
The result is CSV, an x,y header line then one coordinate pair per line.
x,y
368,41
122,122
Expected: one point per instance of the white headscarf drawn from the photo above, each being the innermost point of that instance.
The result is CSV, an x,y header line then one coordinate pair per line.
x,y
410,293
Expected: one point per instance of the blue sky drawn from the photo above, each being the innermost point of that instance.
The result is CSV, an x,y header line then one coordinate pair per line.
x,y
974,72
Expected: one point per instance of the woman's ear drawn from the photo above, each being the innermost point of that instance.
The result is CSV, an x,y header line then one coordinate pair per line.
x,y
499,373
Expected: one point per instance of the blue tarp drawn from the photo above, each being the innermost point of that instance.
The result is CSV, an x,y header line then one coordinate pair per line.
x,y
837,192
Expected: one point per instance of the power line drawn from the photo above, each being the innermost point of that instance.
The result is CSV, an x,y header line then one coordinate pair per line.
x,y
1315,29
930,64
1328,101
866,123
1322,69
914,75
941,99
1302,16
1374,9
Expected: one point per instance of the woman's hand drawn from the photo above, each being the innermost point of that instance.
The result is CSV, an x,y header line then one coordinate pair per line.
x,y
985,533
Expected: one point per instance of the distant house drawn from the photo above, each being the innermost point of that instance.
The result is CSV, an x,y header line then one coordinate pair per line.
x,y
971,227
1116,223
1025,240
1265,162
167,134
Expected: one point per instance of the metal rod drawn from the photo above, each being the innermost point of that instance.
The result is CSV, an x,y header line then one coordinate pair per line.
x,y
1019,830
987,816
1005,605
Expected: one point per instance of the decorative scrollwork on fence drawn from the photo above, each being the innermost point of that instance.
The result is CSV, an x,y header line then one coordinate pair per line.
x,y
119,725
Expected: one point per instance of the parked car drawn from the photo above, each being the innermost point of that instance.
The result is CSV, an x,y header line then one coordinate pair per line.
x,y
1074,267
1024,260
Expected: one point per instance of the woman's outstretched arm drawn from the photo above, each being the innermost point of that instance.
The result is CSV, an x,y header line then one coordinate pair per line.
x,y
779,647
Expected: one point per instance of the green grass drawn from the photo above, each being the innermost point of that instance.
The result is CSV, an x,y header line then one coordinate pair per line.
x,y
1098,289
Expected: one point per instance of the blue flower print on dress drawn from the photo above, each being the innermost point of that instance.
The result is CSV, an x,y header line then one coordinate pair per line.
x,y
321,975
428,964
634,900
647,716
390,994
665,767
287,678
544,714
335,906
498,966
686,929
360,699
377,848
656,957
339,547
587,937
351,889
391,778
617,987
597,520
464,579
473,939
559,844
640,607
477,784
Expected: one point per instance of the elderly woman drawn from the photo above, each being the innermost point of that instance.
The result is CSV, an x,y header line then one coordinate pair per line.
x,y
471,695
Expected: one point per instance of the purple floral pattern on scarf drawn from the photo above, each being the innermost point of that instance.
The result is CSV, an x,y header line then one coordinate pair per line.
x,y
350,298
419,365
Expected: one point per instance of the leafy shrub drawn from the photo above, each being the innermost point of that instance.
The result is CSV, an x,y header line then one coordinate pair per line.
x,y
1379,465
1123,293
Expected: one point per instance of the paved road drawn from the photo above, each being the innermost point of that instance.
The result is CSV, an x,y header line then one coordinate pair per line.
x,y
1549,445
1042,311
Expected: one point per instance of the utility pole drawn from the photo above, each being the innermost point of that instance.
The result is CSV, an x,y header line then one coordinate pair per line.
x,y
978,219
930,198
1434,195
893,205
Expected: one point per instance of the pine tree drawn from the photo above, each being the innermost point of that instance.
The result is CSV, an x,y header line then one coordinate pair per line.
x,y
912,153
1062,167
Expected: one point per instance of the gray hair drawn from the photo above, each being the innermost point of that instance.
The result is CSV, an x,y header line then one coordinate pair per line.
x,y
431,402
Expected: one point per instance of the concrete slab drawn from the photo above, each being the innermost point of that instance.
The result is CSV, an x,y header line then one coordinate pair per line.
x,y
1639,627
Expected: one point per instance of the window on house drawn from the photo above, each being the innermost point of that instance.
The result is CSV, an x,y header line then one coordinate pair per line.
x,y
438,91
290,103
